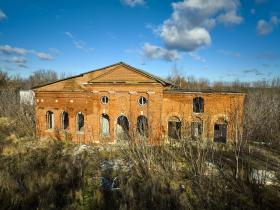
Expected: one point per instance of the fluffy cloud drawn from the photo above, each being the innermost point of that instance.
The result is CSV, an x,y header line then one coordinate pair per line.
x,y
188,27
155,52
230,18
133,3
3,16
184,39
9,50
266,27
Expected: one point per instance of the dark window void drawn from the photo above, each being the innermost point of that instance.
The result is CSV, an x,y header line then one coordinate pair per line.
x,y
142,101
104,99
220,133
104,125
65,120
142,126
196,130
122,128
80,122
198,105
50,120
174,128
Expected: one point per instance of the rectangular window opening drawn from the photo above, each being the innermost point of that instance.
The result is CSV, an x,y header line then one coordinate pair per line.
x,y
220,133
196,130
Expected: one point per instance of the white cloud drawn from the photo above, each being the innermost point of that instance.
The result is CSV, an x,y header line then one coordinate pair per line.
x,y
230,18
184,39
7,49
78,43
196,57
155,52
70,35
188,27
133,3
15,60
18,60
3,16
82,45
266,27
43,56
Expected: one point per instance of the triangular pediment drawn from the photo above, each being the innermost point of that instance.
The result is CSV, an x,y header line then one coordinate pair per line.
x,y
116,73
123,74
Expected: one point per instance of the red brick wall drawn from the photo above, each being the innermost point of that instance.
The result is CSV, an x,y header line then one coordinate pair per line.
x,y
124,86
217,106
123,99
161,106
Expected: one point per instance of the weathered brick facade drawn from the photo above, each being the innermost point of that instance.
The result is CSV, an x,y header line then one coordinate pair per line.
x,y
168,113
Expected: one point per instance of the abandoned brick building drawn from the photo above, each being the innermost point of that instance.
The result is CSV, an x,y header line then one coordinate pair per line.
x,y
119,103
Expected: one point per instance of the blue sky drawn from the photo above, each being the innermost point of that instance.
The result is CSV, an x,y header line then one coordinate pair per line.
x,y
213,39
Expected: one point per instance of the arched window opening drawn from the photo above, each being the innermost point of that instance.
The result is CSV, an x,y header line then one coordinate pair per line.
x,y
104,125
196,130
198,105
80,122
122,128
142,126
142,101
64,120
174,128
220,133
104,99
50,120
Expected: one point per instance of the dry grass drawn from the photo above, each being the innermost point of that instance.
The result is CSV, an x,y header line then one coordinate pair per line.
x,y
51,174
